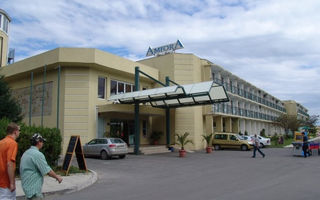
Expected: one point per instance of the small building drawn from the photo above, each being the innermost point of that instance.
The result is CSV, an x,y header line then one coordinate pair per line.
x,y
68,88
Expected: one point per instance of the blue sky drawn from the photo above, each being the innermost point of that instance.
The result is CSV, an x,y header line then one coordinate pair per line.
x,y
273,44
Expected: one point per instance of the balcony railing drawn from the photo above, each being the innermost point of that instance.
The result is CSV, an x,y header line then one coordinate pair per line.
x,y
248,95
303,113
233,110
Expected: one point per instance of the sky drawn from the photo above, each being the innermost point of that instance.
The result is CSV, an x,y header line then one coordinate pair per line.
x,y
273,44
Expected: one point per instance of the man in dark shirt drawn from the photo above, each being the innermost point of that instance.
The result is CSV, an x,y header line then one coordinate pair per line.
x,y
305,144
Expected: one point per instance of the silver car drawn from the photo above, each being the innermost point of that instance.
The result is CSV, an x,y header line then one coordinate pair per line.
x,y
106,148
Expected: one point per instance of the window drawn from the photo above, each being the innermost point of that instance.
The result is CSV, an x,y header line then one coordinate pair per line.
x,y
221,136
101,87
101,141
94,141
113,87
0,21
232,137
5,24
118,87
128,88
116,141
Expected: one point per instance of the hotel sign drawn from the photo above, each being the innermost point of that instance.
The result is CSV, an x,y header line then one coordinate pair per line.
x,y
164,49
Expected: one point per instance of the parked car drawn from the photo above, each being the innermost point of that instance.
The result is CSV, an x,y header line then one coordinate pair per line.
x,y
230,140
263,141
106,148
246,138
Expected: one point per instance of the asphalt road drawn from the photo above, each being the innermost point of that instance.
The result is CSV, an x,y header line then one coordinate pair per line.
x,y
222,175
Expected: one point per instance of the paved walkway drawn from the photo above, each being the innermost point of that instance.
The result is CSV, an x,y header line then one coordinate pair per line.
x,y
71,183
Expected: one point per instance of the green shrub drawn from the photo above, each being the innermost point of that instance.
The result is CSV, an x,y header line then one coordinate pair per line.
x,y
287,136
263,133
51,149
275,137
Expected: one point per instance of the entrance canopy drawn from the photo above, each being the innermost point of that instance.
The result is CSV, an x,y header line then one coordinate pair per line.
x,y
176,96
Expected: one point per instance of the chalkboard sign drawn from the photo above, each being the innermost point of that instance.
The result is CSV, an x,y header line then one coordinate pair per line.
x,y
72,143
74,146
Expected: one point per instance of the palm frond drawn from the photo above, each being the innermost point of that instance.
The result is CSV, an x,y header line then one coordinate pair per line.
x,y
182,140
208,139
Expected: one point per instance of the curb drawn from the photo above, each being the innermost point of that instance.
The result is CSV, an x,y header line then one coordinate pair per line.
x,y
74,188
91,181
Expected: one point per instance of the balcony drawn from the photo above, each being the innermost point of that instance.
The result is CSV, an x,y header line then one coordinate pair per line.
x,y
248,95
227,109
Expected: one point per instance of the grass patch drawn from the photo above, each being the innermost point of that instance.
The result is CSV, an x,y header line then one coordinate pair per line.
x,y
72,170
286,142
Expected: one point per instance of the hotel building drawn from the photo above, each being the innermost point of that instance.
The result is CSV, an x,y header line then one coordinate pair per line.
x,y
69,88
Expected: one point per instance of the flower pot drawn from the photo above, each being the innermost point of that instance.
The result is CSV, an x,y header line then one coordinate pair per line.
x,y
182,153
209,149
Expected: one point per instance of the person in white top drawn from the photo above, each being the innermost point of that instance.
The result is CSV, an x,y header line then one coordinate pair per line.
x,y
256,143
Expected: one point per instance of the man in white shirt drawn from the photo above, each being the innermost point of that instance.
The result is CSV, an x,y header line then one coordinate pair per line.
x,y
256,144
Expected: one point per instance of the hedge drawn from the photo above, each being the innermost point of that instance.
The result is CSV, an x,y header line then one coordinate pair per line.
x,y
51,148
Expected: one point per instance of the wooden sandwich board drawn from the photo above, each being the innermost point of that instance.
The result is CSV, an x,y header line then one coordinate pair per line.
x,y
74,146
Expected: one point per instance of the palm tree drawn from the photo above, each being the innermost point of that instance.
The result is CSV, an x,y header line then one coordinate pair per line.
x,y
182,140
208,139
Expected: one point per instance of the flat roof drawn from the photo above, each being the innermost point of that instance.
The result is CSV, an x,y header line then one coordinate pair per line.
x,y
6,14
76,57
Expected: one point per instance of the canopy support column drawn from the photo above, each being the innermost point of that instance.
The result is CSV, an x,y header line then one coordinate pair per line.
x,y
136,116
168,117
30,99
58,96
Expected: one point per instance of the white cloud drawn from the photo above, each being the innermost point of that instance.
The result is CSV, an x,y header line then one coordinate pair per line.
x,y
273,44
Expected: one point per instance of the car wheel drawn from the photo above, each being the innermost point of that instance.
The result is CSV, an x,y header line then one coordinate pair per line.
x,y
217,147
261,145
104,155
122,156
244,147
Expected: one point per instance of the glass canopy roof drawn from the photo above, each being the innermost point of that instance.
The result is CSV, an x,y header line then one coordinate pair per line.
x,y
176,96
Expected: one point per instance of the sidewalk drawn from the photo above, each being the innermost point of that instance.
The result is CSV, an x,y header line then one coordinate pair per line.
x,y
71,183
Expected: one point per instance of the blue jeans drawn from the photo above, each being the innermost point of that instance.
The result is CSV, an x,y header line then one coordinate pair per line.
x,y
254,151
6,194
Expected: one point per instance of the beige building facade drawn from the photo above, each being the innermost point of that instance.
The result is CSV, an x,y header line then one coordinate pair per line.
x,y
249,111
75,84
295,109
69,88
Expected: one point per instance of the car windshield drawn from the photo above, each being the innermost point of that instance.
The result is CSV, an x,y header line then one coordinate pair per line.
x,y
116,140
247,137
239,137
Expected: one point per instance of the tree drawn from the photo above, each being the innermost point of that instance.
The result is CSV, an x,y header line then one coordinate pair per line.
x,y
288,122
9,107
311,122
